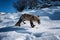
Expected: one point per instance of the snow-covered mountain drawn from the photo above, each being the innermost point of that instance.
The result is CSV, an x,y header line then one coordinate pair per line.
x,y
20,5
47,30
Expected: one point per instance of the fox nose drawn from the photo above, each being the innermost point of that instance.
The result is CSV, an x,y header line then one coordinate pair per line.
x,y
39,23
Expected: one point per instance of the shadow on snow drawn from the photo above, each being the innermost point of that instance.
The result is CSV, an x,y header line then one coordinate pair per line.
x,y
19,30
55,28
11,28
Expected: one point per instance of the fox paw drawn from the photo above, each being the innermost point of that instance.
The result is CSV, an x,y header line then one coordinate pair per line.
x,y
33,26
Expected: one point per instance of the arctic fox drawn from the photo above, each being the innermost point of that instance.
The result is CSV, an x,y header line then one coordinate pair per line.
x,y
28,17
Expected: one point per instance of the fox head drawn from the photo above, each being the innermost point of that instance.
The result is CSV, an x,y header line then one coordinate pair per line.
x,y
38,19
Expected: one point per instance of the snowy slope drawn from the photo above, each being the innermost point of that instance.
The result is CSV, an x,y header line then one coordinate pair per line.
x,y
47,30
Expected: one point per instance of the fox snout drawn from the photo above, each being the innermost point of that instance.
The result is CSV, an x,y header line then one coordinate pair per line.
x,y
38,21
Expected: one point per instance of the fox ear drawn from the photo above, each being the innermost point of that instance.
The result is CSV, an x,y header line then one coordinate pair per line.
x,y
38,16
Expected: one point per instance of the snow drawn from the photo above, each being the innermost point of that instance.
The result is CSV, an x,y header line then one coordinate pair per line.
x,y
47,30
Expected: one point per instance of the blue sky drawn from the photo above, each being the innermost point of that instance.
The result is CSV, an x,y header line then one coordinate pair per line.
x,y
7,6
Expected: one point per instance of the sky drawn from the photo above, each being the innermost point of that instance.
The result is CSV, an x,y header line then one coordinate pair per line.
x,y
7,6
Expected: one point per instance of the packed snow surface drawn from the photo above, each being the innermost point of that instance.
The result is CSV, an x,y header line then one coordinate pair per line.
x,y
47,30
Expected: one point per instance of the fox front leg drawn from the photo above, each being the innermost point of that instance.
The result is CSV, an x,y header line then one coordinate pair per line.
x,y
31,23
